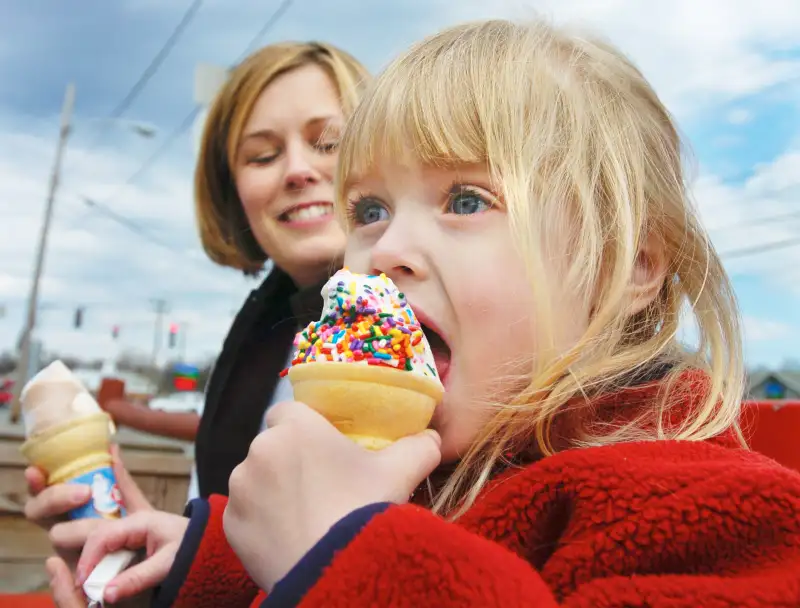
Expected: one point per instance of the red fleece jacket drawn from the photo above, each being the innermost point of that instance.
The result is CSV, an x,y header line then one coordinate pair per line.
x,y
662,524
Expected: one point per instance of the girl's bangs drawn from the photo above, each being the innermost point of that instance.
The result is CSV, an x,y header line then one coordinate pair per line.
x,y
424,112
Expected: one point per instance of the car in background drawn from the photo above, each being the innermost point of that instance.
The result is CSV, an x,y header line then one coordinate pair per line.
x,y
183,401
6,392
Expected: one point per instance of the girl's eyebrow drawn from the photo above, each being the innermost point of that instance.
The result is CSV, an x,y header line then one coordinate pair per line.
x,y
351,182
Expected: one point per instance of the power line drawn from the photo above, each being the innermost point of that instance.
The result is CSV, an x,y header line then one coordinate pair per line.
x,y
127,223
185,124
143,168
155,63
150,161
756,249
759,221
189,118
284,6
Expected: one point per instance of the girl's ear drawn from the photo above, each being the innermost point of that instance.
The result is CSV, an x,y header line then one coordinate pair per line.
x,y
649,273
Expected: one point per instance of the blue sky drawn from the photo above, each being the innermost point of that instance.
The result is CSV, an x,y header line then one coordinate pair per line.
x,y
730,72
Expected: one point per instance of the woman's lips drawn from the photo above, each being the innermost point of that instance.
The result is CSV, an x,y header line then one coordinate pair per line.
x,y
308,214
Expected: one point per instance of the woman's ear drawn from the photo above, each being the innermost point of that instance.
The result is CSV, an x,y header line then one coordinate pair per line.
x,y
649,273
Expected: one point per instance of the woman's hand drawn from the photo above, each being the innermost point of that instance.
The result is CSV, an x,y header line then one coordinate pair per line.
x,y
48,506
302,476
66,594
158,532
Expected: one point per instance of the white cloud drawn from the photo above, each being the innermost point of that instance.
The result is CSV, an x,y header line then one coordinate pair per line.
x,y
761,211
696,54
763,330
93,262
739,116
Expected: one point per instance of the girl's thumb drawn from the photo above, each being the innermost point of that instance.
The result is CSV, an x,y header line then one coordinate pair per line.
x,y
411,459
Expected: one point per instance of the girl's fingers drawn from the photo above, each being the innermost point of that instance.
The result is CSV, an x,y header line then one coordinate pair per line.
x,y
141,577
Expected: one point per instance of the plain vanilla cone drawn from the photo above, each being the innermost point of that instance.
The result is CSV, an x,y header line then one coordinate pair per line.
x,y
68,437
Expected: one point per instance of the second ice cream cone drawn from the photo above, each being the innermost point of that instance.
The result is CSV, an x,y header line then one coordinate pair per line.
x,y
72,448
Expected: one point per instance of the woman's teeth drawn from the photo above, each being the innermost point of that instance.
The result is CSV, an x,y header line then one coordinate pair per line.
x,y
309,213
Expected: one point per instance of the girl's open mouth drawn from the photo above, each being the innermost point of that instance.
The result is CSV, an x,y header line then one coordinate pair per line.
x,y
441,352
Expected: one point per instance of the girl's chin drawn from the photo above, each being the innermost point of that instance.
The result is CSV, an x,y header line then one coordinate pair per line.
x,y
452,450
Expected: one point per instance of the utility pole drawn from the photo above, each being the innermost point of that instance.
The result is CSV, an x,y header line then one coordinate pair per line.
x,y
183,337
33,300
160,307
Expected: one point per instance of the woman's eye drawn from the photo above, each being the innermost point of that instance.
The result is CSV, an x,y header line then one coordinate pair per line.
x,y
264,159
464,202
368,211
327,147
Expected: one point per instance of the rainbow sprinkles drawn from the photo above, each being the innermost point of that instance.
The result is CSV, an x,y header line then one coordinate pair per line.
x,y
365,320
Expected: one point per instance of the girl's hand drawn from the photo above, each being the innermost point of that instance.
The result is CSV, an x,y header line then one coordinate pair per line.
x,y
48,506
158,532
302,476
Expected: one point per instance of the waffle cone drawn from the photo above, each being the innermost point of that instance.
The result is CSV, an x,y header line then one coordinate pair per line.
x,y
373,406
72,448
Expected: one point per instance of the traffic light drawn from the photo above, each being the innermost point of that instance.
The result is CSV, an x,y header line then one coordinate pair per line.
x,y
115,332
173,334
78,318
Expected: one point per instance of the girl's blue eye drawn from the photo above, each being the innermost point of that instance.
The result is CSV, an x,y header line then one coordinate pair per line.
x,y
368,211
464,202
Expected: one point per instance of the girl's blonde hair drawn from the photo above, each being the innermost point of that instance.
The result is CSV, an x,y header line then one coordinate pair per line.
x,y
224,230
569,130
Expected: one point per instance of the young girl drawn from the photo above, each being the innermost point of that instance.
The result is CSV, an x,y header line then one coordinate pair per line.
x,y
523,187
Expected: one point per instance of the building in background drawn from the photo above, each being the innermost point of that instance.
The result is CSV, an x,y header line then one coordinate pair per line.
x,y
774,385
138,387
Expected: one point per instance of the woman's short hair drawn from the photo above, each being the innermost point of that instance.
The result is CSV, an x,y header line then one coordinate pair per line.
x,y
224,230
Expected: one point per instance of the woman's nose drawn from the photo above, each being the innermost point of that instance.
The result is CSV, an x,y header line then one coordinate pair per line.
x,y
300,171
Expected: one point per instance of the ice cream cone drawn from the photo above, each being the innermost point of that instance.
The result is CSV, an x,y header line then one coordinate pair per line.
x,y
374,406
71,449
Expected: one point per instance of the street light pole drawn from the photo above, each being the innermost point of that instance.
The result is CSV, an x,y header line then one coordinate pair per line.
x,y
33,300
160,307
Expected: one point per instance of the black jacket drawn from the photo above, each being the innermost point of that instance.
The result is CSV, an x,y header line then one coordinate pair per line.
x,y
246,374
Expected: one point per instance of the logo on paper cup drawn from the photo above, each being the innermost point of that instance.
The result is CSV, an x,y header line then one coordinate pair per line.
x,y
106,501
104,495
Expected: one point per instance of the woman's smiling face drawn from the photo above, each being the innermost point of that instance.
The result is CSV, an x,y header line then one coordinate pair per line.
x,y
284,172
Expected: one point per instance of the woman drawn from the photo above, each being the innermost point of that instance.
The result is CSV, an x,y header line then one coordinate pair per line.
x,y
264,191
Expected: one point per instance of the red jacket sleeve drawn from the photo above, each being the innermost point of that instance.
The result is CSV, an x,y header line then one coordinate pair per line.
x,y
210,574
410,557
407,556
660,525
